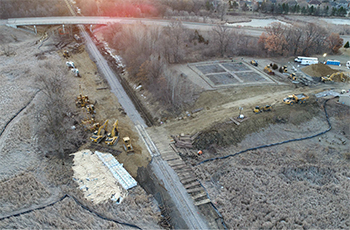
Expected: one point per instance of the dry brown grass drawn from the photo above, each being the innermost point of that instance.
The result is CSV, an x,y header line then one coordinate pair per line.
x,y
297,185
20,192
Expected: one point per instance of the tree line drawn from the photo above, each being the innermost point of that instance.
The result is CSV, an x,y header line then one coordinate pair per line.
x,y
149,50
285,8
32,8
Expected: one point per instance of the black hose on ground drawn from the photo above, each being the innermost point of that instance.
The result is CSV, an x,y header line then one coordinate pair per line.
x,y
80,204
278,143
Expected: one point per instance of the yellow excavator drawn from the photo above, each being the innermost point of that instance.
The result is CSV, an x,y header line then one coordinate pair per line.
x,y
90,109
113,137
330,78
98,136
82,100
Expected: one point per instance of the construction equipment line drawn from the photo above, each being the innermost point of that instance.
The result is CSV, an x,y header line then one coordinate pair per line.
x,y
278,143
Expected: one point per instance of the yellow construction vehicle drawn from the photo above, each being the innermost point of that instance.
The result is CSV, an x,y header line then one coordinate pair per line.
x,y
113,137
127,145
254,62
90,109
268,70
292,76
330,78
285,68
266,108
66,54
98,135
295,98
82,100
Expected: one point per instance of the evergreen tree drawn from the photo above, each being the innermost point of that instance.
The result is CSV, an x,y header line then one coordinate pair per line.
x,y
334,11
347,45
311,10
303,10
325,11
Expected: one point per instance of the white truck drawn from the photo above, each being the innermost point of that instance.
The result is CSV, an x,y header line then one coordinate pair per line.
x,y
306,60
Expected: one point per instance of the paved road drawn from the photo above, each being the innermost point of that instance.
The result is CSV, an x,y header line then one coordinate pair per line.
x,y
255,32
104,20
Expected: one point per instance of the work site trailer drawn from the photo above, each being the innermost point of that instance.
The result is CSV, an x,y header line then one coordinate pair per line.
x,y
306,60
309,61
333,62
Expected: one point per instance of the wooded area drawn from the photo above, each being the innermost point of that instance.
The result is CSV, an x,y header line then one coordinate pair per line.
x,y
148,50
32,8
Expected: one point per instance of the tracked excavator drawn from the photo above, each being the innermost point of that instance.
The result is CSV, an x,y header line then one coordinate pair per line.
x,y
330,78
98,135
113,137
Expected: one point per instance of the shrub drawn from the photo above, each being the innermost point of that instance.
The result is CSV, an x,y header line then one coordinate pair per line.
x,y
274,66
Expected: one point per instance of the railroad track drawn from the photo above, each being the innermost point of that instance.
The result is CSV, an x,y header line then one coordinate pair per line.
x,y
182,201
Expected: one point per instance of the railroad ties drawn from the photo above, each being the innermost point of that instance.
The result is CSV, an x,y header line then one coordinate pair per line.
x,y
187,177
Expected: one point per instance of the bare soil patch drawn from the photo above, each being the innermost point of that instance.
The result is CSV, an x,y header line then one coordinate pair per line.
x,y
318,70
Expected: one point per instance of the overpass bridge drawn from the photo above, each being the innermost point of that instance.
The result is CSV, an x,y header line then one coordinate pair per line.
x,y
86,20
77,20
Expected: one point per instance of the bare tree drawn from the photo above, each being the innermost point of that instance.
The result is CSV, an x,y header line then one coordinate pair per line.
x,y
334,42
222,9
305,39
221,37
174,42
54,114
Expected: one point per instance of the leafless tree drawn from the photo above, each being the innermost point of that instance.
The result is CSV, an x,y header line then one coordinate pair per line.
x,y
174,42
221,38
222,9
297,39
55,114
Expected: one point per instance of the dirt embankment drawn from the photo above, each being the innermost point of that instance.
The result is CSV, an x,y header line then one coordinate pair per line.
x,y
228,133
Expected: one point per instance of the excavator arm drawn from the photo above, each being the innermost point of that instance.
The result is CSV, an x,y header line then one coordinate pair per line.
x,y
112,138
97,137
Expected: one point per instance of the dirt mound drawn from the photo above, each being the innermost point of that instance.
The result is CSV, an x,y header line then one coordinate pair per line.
x,y
318,70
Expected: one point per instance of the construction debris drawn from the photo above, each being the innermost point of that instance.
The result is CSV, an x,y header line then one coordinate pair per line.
x,y
184,141
101,177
